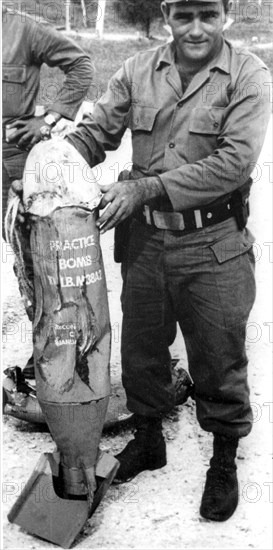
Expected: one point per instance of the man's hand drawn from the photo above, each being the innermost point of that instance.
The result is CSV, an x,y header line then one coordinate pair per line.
x,y
124,197
28,132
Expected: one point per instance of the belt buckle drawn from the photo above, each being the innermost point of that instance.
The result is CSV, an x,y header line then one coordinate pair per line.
x,y
171,221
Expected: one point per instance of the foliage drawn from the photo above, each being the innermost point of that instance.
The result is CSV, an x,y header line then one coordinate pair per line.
x,y
253,28
54,11
140,12
252,19
88,9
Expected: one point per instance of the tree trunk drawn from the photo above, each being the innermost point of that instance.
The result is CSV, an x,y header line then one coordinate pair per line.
x,y
67,15
147,27
100,18
84,20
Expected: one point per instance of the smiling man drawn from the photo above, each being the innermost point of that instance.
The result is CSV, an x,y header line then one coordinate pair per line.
x,y
197,30
198,110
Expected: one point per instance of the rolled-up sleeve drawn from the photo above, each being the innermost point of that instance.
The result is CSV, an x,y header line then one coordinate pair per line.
x,y
56,50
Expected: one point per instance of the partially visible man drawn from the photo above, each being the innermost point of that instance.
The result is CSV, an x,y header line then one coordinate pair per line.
x,y
198,109
26,45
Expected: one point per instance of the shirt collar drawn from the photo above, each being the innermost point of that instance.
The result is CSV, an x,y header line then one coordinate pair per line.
x,y
222,61
166,56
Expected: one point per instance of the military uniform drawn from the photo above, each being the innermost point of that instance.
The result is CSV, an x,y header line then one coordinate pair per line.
x,y
27,43
187,259
198,110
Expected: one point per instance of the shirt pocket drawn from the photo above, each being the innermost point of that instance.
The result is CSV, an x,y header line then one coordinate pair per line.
x,y
207,120
142,124
13,82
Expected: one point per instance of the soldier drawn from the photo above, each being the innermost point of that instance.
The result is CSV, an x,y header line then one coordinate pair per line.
x,y
198,109
27,43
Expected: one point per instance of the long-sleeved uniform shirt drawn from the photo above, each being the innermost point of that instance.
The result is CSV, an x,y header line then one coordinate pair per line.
x,y
202,144
26,45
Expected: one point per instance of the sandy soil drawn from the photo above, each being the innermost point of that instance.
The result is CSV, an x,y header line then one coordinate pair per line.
x,y
160,509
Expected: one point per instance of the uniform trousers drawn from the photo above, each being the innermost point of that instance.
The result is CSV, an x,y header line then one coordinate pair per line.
x,y
204,281
13,163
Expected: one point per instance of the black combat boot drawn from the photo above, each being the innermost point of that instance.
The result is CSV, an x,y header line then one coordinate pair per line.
x,y
220,497
147,451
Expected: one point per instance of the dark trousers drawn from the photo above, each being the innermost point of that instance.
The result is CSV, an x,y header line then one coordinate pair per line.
x,y
13,163
204,280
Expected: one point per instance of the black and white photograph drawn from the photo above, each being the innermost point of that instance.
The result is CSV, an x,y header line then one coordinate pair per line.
x,y
136,274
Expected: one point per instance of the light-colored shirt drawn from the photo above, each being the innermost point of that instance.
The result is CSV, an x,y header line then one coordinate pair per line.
x,y
202,144
26,45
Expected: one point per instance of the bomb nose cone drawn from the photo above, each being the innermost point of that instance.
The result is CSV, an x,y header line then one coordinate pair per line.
x,y
56,175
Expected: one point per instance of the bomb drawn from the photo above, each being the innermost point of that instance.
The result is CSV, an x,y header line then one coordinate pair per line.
x,y
71,340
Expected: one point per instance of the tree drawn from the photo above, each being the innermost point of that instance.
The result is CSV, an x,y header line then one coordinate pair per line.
x,y
88,10
139,12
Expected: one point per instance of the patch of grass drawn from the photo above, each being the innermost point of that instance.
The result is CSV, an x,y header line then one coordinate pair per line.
x,y
266,54
247,31
107,57
252,19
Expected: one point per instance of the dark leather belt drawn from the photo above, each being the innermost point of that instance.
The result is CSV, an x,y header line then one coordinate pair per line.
x,y
188,220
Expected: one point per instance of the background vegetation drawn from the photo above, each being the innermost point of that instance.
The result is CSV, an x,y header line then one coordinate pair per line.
x,y
252,28
139,12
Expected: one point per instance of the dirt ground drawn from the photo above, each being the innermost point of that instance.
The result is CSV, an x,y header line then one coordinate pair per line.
x,y
160,509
